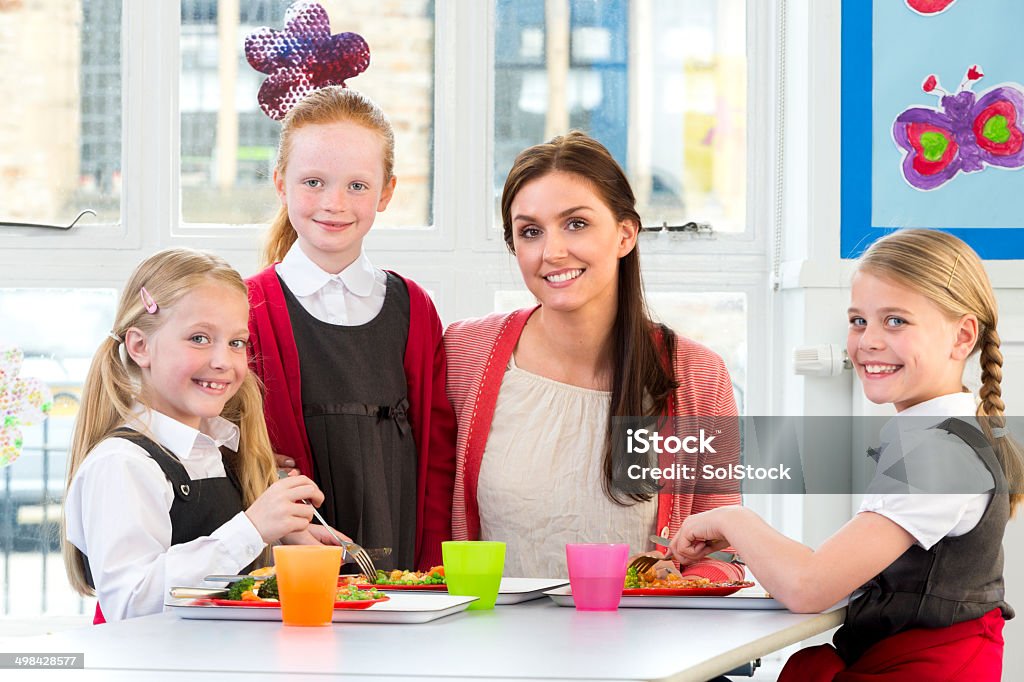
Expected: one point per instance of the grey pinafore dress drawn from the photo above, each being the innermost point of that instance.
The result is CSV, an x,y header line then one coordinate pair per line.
x,y
354,403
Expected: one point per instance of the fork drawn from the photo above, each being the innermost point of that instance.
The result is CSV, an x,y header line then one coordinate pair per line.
x,y
351,549
643,563
354,551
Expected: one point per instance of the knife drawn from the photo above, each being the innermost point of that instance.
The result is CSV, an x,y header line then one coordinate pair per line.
x,y
728,557
193,592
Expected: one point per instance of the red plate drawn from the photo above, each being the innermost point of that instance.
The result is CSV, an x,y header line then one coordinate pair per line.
x,y
412,588
355,604
685,591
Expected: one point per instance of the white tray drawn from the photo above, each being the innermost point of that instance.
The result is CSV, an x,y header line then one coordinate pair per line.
x,y
758,600
511,590
518,590
400,608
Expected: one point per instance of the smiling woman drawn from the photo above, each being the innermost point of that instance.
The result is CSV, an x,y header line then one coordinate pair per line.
x,y
537,393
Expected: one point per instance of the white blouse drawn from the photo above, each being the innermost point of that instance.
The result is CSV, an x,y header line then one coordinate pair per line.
x,y
931,517
118,514
540,478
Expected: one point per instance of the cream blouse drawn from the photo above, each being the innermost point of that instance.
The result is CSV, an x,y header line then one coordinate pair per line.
x,y
540,478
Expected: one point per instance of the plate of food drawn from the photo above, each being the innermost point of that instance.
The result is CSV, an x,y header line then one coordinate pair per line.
x,y
754,599
648,584
261,592
398,608
399,580
250,598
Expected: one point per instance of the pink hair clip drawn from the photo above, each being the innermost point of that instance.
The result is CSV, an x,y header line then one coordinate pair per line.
x,y
147,301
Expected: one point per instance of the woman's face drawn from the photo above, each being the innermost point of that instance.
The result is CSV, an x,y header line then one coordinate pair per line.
x,y
568,243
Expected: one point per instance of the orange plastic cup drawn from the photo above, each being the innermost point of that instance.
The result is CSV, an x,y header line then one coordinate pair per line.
x,y
307,579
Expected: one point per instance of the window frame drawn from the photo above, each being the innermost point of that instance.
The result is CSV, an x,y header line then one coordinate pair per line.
x,y
461,257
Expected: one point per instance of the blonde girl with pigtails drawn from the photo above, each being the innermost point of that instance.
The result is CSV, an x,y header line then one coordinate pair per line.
x,y
171,476
929,566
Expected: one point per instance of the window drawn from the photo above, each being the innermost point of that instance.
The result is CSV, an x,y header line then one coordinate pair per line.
x,y
173,152
60,127
661,83
58,331
229,146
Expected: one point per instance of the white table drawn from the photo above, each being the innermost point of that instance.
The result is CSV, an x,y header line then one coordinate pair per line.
x,y
535,640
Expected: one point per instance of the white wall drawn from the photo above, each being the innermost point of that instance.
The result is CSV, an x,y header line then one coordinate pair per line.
x,y
813,288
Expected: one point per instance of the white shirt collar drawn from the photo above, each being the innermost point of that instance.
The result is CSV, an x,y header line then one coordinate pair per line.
x,y
931,412
180,438
304,277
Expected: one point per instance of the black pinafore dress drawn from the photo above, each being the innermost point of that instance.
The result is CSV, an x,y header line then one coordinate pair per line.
x,y
354,403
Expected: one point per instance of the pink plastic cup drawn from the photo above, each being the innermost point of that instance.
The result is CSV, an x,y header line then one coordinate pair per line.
x,y
596,573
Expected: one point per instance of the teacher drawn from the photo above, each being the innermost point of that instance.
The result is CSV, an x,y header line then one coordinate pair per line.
x,y
538,392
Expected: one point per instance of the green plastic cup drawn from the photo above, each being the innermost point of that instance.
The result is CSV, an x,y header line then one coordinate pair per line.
x,y
473,569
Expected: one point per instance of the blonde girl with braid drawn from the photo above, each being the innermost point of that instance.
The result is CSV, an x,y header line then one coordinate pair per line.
x,y
171,475
929,566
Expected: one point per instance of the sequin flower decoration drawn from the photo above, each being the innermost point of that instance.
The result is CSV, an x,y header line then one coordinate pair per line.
x,y
22,402
303,57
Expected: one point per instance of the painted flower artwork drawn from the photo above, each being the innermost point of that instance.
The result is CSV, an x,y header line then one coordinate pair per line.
x,y
23,402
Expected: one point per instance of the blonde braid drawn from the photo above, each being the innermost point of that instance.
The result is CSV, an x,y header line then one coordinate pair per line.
x,y
991,414
991,391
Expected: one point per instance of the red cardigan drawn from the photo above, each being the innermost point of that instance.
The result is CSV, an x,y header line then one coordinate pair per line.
x,y
275,360
478,352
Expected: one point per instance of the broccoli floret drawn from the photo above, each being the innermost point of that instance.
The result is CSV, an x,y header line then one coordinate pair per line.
x,y
236,588
632,578
268,590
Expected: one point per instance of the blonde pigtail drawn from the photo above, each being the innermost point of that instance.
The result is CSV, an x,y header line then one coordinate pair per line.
x,y
106,403
991,416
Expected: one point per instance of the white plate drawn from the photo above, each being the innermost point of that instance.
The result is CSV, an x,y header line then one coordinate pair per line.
x,y
511,590
758,600
518,590
400,608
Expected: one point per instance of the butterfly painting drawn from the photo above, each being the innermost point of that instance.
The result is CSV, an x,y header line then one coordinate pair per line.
x,y
927,7
966,133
